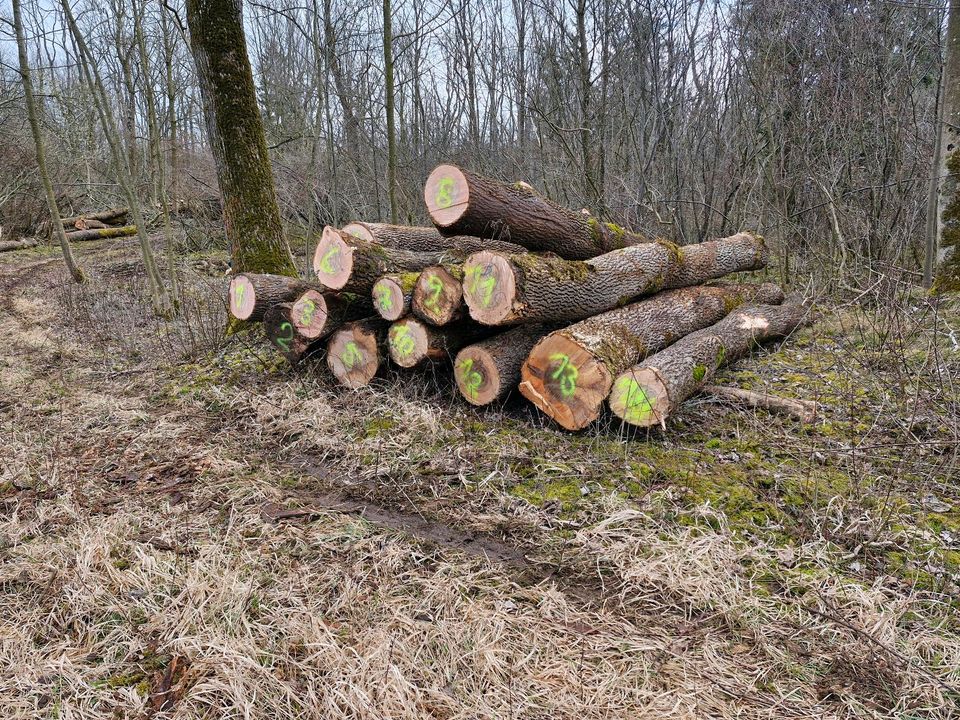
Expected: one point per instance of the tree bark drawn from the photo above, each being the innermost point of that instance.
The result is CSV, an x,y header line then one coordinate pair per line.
x,y
424,239
650,392
252,294
393,294
412,342
235,130
355,351
463,203
438,295
8,245
316,316
281,331
102,234
505,290
489,371
570,372
804,410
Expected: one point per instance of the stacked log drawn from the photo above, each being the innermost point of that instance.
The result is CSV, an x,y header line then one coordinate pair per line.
x,y
105,224
510,291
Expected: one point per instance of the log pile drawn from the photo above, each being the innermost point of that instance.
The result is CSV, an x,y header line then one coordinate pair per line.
x,y
513,292
102,225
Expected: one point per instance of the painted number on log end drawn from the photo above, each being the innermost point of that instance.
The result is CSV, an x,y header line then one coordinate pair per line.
x,y
284,340
472,380
444,196
481,279
636,403
307,312
383,297
351,355
433,299
238,295
327,261
401,340
566,373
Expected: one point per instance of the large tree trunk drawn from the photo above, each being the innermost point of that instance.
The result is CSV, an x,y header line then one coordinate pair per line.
x,y
393,294
354,352
504,290
947,273
438,295
463,203
489,371
103,233
344,262
570,372
252,294
648,393
412,342
235,129
424,239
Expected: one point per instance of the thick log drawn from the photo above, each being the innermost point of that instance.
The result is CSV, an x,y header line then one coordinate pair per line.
x,y
570,372
392,295
281,331
114,216
89,224
17,244
804,410
424,239
489,371
464,203
505,290
252,294
344,262
355,350
412,342
103,233
438,295
650,392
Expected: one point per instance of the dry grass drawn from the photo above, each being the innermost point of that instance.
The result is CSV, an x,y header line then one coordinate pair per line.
x,y
721,571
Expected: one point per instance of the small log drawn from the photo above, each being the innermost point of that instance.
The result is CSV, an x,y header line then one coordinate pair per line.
x,y
103,233
438,295
570,372
505,290
464,203
804,410
89,224
424,239
251,294
316,316
489,371
344,262
281,331
412,342
354,352
650,392
17,244
392,295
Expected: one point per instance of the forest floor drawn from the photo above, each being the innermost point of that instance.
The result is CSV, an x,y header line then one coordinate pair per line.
x,y
190,528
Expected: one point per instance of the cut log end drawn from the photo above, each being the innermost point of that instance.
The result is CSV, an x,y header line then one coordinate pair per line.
x,y
477,376
437,296
243,297
388,298
358,230
309,314
352,355
447,195
565,381
333,259
408,342
639,397
489,287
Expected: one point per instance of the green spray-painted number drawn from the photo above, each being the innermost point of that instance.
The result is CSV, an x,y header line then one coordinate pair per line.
x,y
401,341
436,287
444,196
636,404
238,294
307,312
566,372
327,259
486,285
284,341
384,300
351,355
472,380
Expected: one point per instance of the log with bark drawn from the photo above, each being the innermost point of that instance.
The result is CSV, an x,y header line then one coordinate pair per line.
x,y
89,224
504,290
281,331
17,244
102,233
344,262
570,372
438,295
252,294
114,216
392,295
355,350
315,315
463,203
804,410
424,239
489,371
650,392
412,342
